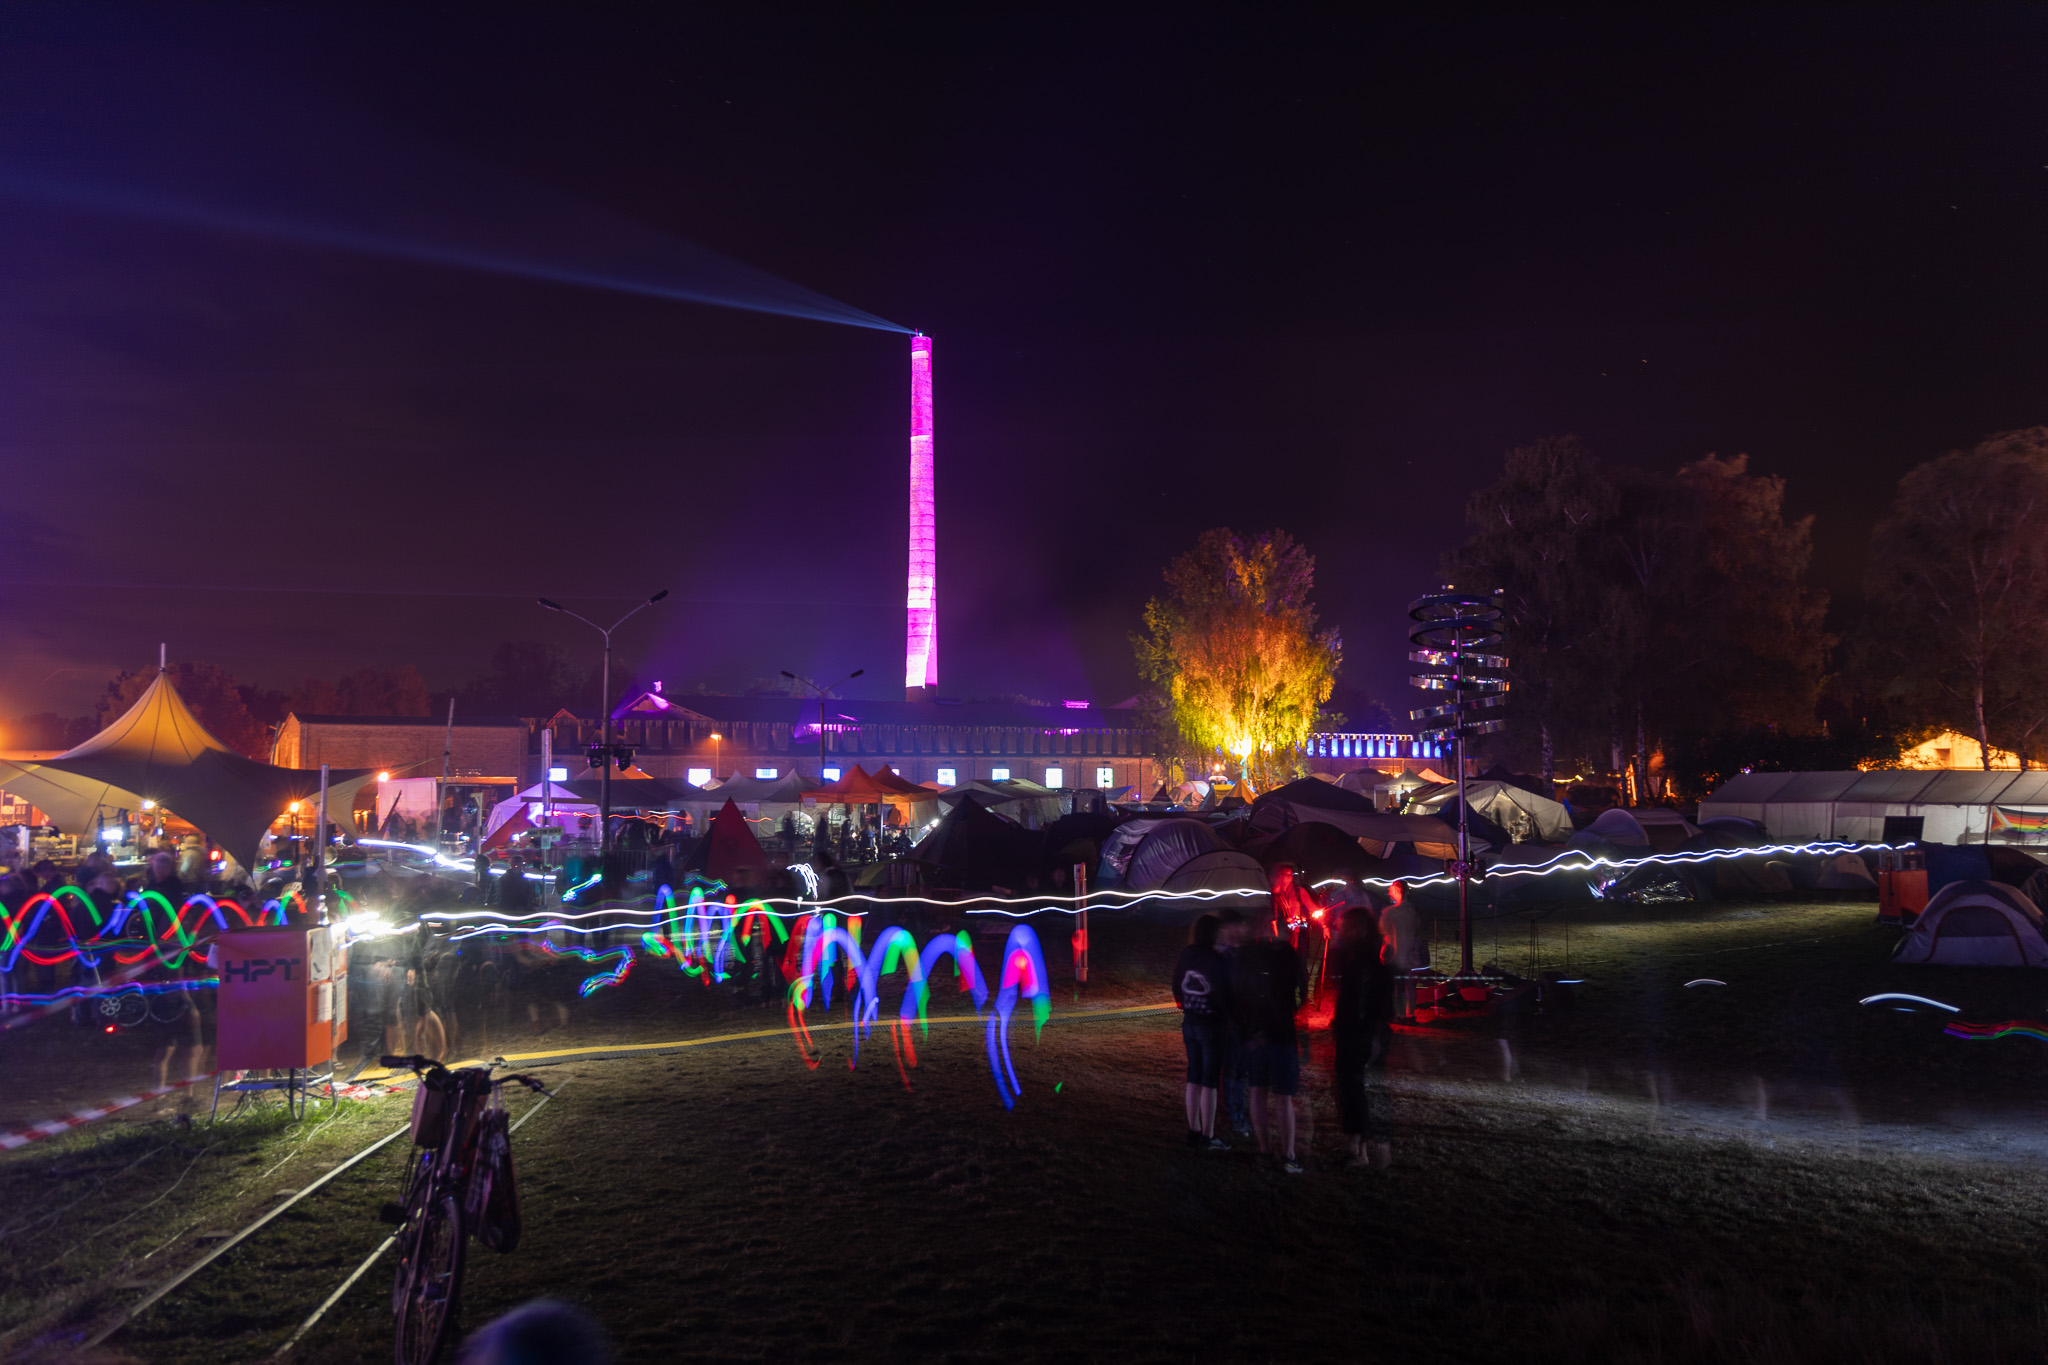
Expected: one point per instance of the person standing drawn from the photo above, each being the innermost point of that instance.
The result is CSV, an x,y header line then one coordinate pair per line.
x,y
1362,1028
1267,987
1201,987
1230,938
1407,948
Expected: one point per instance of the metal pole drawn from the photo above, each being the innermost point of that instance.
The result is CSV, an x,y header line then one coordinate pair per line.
x,y
547,803
604,782
320,859
1464,865
1081,924
441,790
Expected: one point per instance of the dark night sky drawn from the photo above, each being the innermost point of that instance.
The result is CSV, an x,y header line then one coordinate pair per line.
x,y
1246,269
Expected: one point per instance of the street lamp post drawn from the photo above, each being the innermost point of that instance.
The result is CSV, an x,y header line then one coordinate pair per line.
x,y
604,801
818,827
822,692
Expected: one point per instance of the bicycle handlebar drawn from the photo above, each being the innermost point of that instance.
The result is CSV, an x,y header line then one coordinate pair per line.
x,y
417,1063
412,1063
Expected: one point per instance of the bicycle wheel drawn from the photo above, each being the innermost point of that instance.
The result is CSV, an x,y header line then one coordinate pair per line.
x,y
433,1283
496,1201
170,1007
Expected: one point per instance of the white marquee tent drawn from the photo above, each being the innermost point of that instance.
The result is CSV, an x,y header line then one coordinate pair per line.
x,y
1851,807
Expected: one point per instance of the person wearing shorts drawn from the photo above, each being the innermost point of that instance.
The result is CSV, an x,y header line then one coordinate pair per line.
x,y
1268,984
1201,987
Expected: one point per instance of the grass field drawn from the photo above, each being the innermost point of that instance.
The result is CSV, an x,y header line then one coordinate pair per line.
x,y
1760,1171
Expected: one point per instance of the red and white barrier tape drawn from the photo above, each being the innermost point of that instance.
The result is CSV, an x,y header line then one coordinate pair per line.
x,y
79,1117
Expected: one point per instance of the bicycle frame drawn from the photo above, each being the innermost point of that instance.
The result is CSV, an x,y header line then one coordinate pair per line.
x,y
447,1194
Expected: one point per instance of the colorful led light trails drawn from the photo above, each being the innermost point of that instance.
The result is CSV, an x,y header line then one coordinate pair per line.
x,y
706,935
2011,1028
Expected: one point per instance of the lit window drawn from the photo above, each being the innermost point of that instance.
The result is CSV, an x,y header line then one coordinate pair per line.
x,y
533,810
697,777
1054,777
558,774
999,774
832,774
946,778
766,773
1105,778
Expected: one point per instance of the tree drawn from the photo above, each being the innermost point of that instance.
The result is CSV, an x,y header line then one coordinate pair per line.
x,y
528,678
1959,570
1537,538
366,692
210,693
1231,653
1644,610
46,730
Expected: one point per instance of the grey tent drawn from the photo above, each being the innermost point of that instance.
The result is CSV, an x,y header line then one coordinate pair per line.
x,y
1284,807
1223,869
1976,924
1166,848
1118,846
1524,816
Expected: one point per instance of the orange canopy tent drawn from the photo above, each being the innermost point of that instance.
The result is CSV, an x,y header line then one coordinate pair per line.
x,y
889,779
862,788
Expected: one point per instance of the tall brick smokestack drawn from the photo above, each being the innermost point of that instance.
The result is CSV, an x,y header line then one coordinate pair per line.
x,y
921,631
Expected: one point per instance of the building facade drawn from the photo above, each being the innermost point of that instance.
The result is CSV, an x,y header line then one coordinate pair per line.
x,y
480,750
692,739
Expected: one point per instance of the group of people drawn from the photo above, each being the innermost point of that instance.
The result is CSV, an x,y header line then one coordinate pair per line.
x,y
1241,985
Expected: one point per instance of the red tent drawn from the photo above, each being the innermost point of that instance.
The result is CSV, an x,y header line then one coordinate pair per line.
x,y
504,834
729,851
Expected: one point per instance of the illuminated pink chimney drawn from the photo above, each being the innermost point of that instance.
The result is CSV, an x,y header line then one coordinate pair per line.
x,y
921,632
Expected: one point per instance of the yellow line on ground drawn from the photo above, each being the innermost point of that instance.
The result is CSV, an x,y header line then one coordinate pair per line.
x,y
783,1032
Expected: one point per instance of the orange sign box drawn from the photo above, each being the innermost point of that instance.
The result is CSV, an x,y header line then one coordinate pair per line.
x,y
283,998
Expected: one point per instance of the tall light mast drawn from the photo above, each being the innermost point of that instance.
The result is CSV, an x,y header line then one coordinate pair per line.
x,y
921,631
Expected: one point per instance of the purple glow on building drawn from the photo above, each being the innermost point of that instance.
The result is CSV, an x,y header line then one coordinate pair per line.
x,y
921,631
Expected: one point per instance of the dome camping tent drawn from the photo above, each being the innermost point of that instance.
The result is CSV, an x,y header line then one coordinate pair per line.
x,y
1525,817
1165,848
1976,924
979,849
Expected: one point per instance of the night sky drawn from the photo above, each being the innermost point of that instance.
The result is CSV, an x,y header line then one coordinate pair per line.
x,y
1248,269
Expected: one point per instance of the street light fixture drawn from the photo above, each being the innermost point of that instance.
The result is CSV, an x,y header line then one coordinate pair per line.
x,y
822,691
604,812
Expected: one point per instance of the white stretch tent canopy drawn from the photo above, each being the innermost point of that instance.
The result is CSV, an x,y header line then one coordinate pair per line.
x,y
158,751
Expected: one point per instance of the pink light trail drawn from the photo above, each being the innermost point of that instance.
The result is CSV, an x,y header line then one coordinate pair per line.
x,y
921,631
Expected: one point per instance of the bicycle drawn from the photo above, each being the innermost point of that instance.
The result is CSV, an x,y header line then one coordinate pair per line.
x,y
460,1184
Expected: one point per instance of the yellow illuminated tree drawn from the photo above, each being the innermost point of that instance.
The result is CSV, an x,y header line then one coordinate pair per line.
x,y
1232,653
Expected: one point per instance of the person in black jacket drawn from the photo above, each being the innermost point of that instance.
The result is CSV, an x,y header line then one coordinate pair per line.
x,y
1362,1028
1201,987
1268,986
